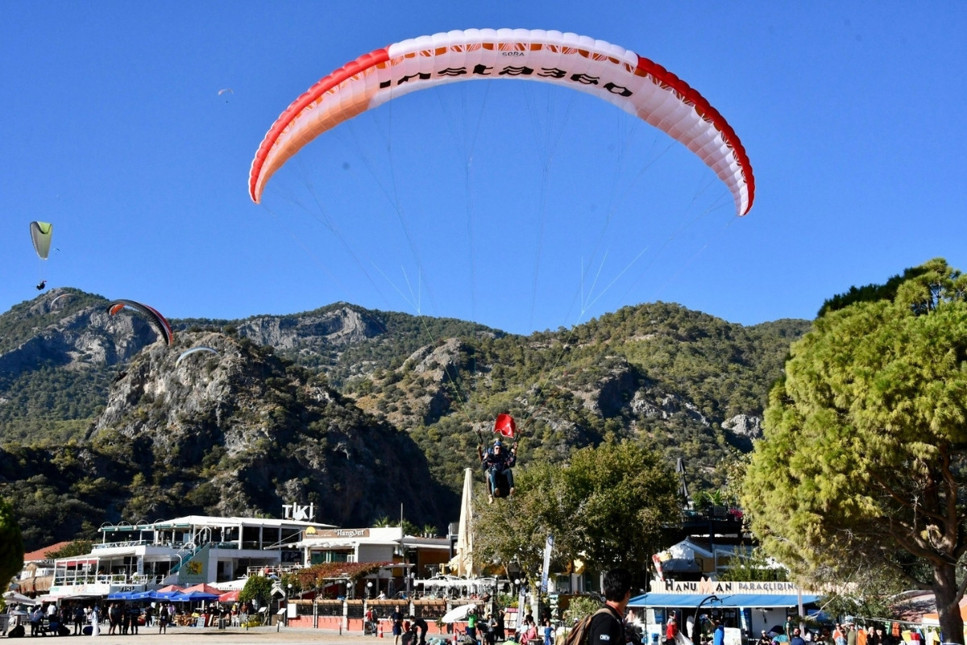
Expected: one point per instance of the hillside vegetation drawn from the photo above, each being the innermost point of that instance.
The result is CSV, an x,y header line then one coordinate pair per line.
x,y
357,411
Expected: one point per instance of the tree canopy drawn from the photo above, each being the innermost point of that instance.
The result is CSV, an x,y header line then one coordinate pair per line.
x,y
606,507
865,446
11,544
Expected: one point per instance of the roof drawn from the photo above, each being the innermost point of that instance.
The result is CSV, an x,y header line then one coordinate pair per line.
x,y
725,600
189,521
42,554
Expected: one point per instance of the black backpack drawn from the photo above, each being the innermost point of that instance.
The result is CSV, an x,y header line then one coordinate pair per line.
x,y
579,633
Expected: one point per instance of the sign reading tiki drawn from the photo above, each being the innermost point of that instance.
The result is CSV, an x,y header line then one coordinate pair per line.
x,y
298,512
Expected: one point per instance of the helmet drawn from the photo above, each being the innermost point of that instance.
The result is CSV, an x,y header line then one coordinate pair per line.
x,y
497,443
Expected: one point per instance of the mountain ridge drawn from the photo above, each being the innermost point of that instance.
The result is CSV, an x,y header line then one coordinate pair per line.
x,y
97,418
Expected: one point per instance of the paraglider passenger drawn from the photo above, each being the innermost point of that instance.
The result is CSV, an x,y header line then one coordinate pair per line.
x,y
42,285
498,463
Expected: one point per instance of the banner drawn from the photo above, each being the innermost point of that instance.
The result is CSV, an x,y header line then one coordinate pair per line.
x,y
548,547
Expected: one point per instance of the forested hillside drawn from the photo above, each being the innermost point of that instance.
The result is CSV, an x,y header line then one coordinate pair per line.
x,y
359,411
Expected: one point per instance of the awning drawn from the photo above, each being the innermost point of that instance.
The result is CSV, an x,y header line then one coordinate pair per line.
x,y
724,600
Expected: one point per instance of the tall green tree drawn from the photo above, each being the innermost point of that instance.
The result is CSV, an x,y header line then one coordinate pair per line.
x,y
11,545
606,507
617,498
865,446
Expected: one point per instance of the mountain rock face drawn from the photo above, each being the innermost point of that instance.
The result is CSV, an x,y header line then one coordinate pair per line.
x,y
267,433
339,326
359,412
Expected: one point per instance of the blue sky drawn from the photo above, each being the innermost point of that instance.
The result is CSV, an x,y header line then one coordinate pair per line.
x,y
519,206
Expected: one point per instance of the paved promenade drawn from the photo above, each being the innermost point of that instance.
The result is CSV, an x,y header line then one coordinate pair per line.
x,y
230,636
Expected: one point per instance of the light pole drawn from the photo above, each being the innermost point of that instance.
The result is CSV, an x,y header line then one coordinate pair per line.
x,y
707,599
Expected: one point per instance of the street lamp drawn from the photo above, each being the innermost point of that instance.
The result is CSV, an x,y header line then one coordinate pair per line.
x,y
369,588
287,596
707,599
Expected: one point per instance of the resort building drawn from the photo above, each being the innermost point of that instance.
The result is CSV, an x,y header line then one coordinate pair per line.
x,y
218,550
184,551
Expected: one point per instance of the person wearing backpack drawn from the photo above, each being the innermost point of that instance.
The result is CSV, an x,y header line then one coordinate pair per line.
x,y
607,624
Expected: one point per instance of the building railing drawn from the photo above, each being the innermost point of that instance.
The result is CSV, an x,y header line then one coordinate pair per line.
x,y
114,545
81,578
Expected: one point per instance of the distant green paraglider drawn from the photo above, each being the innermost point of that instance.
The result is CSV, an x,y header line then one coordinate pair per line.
x,y
40,234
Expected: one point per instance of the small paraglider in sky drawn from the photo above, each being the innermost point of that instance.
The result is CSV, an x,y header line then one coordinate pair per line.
x,y
59,297
194,350
226,92
40,234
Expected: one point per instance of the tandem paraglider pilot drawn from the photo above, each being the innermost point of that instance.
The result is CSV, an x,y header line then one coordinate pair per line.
x,y
497,462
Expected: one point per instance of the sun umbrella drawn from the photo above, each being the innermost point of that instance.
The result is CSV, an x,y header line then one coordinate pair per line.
x,y
14,598
192,596
229,596
457,613
201,586
464,557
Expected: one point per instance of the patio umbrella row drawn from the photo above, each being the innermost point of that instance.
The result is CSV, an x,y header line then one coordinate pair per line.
x,y
171,596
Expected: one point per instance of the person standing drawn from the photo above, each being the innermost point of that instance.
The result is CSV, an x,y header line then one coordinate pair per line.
x,y
397,618
548,632
839,635
472,625
718,632
797,638
163,617
607,627
79,618
671,630
420,624
36,621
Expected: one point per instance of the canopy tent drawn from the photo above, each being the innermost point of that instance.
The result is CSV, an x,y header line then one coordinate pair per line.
x,y
933,617
229,596
14,598
724,600
192,596
201,586
457,613
464,587
171,588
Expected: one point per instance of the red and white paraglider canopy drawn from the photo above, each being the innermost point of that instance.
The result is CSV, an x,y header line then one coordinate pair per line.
x,y
620,76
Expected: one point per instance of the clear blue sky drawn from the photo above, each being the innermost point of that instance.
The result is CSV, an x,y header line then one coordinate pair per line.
x,y
517,206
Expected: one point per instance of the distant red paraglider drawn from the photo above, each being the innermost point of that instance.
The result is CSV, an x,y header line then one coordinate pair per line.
x,y
153,316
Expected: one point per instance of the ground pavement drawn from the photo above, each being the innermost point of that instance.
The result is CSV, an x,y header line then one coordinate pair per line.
x,y
232,636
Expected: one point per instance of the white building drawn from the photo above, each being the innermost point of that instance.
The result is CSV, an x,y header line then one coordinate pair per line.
x,y
186,550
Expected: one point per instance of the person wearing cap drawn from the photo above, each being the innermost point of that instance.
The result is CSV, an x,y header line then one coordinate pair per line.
x,y
498,463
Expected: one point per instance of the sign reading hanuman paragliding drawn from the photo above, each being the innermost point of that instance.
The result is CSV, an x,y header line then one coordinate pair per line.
x,y
619,76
